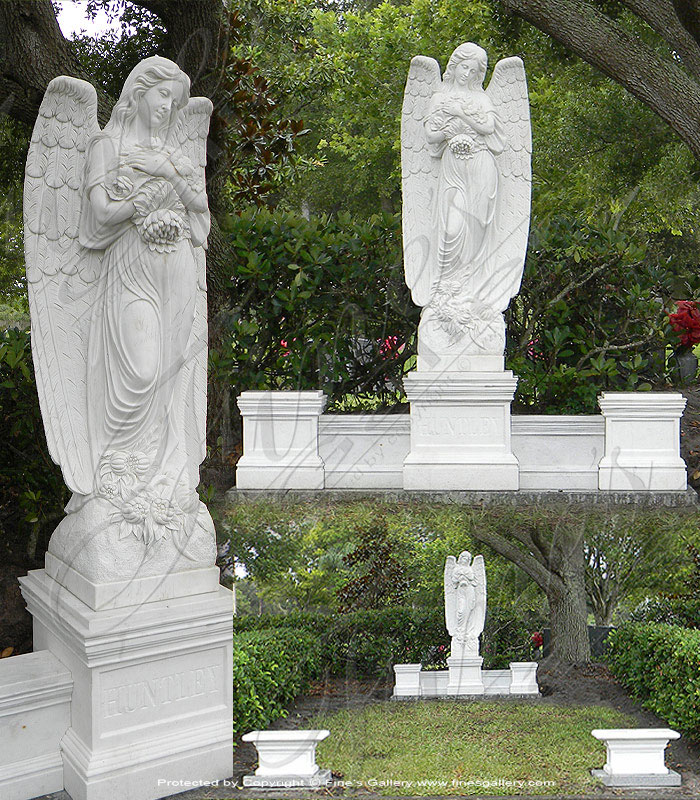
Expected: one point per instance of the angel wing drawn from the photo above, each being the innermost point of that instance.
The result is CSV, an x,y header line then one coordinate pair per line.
x,y
61,274
507,91
190,137
450,595
480,575
419,172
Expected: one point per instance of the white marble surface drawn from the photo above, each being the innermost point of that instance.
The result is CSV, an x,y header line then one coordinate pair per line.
x,y
286,757
642,442
635,751
465,603
116,223
460,431
152,695
465,160
280,440
35,701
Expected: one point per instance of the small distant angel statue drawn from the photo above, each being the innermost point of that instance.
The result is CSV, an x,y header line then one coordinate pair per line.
x,y
465,156
465,602
116,225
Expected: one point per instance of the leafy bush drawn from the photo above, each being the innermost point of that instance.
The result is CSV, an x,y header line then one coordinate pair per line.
x,y
660,665
32,492
317,303
369,642
270,668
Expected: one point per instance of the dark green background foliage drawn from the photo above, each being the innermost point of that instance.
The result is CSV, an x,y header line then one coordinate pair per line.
x,y
368,643
32,492
331,289
660,665
270,668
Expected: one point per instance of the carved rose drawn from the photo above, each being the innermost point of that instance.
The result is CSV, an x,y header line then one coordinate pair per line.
x,y
120,471
150,514
462,145
163,511
161,230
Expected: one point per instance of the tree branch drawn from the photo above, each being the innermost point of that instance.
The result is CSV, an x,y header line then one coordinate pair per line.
x,y
544,578
659,83
662,17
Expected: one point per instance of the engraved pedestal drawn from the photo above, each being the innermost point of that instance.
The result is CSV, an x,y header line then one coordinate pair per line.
x,y
152,696
460,431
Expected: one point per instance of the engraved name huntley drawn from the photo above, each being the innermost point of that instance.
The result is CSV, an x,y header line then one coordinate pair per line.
x,y
130,697
458,426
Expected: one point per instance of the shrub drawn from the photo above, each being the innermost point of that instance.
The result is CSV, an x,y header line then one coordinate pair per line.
x,y
317,303
32,492
270,668
660,665
368,643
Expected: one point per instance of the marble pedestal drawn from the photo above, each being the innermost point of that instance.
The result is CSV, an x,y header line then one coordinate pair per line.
x,y
460,431
464,675
152,693
280,440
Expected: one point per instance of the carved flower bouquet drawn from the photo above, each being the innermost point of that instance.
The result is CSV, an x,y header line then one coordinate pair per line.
x,y
685,321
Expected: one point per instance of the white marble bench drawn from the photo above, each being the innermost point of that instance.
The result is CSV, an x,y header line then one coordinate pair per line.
x,y
287,759
635,757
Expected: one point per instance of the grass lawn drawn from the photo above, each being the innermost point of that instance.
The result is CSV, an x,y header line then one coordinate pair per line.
x,y
439,748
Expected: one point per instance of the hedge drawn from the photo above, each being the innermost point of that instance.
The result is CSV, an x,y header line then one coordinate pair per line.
x,y
369,643
270,668
660,665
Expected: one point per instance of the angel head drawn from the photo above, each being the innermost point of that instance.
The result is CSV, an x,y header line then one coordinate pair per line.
x,y
467,66
155,90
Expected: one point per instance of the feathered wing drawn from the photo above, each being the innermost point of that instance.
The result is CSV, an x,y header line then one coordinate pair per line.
x,y
419,171
480,575
450,592
507,91
61,275
190,137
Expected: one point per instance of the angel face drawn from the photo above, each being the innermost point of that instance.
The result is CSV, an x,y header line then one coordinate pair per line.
x,y
156,104
466,73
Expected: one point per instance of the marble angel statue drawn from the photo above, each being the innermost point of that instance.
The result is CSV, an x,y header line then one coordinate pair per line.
x,y
116,226
465,158
465,602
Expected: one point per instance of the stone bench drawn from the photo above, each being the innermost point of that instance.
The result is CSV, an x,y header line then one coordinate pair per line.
x,y
35,697
286,759
635,757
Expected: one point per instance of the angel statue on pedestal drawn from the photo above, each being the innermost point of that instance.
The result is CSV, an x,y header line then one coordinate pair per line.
x,y
116,226
465,158
465,602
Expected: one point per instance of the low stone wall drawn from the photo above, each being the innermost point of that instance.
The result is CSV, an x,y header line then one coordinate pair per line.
x,y
633,447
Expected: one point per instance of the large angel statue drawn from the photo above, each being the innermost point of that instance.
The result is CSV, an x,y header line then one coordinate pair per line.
x,y
465,157
465,602
116,225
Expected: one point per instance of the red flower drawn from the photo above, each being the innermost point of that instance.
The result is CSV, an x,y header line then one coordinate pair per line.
x,y
686,321
389,347
537,639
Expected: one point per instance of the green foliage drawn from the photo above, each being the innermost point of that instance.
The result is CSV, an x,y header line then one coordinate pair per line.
x,y
378,575
591,315
313,303
32,493
660,665
369,642
270,668
668,610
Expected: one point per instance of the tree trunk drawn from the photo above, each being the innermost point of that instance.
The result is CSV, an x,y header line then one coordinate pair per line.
x,y
568,619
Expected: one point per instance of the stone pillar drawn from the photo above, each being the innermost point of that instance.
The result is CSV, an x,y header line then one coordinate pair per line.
x,y
280,440
460,431
523,677
642,442
465,675
152,692
407,683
